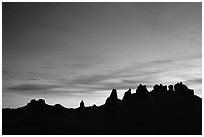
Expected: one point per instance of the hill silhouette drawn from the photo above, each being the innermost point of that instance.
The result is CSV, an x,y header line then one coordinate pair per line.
x,y
172,111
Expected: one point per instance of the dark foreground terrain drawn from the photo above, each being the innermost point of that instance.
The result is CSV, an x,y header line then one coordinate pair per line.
x,y
165,112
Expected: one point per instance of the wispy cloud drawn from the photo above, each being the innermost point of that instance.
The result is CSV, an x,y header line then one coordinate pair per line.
x,y
129,77
32,87
194,81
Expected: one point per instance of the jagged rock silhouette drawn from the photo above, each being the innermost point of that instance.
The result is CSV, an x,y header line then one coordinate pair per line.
x,y
82,105
141,90
112,100
36,103
171,111
127,96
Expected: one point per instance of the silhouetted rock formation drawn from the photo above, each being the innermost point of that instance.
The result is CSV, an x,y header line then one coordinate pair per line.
x,y
37,105
82,104
112,100
171,88
127,96
141,90
161,111
183,90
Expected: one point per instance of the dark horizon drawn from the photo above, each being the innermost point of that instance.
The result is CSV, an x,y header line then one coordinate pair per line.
x,y
166,88
66,52
173,111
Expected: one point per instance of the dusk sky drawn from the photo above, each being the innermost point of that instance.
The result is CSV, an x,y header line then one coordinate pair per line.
x,y
66,52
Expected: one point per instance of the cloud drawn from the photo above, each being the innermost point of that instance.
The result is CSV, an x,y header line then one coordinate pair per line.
x,y
195,81
134,81
158,62
4,72
89,80
131,76
78,65
32,87
132,71
37,86
109,81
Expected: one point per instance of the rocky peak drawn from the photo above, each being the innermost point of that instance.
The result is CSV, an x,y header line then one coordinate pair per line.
x,y
82,104
114,94
113,98
127,95
141,90
36,104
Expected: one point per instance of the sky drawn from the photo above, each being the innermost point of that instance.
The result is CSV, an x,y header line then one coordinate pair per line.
x,y
66,52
